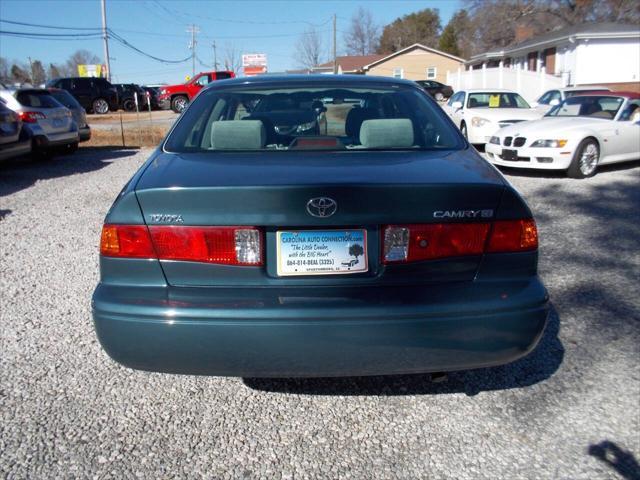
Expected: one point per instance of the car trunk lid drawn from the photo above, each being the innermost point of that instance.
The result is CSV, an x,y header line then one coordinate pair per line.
x,y
271,190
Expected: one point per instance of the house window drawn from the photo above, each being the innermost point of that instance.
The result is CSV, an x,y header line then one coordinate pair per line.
x,y
431,73
398,72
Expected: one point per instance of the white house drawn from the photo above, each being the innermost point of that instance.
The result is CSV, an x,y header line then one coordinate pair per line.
x,y
587,54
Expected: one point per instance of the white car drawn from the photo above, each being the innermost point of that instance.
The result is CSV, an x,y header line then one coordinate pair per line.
x,y
551,98
480,113
581,133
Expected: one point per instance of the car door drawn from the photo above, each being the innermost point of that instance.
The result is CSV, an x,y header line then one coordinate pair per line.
x,y
548,100
626,145
457,97
81,89
457,114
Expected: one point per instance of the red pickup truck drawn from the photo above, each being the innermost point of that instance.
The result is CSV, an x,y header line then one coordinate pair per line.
x,y
177,97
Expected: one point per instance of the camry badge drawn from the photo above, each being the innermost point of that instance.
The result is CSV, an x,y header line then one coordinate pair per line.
x,y
322,207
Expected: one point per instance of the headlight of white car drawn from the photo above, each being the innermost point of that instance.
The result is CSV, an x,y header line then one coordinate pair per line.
x,y
495,140
479,121
549,143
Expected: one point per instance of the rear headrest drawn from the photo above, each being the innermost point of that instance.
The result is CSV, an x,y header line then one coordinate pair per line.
x,y
387,133
238,135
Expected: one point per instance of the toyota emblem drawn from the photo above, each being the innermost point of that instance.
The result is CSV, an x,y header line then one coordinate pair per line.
x,y
322,207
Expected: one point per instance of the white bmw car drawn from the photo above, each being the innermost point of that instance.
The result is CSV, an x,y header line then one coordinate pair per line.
x,y
578,135
480,113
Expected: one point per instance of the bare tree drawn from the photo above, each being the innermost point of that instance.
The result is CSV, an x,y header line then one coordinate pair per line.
x,y
232,58
38,73
80,57
363,35
4,70
309,48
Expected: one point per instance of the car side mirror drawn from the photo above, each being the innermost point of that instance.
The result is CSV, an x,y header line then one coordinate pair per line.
x,y
554,102
456,105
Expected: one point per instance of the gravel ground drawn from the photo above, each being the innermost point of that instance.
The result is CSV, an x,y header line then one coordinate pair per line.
x,y
570,410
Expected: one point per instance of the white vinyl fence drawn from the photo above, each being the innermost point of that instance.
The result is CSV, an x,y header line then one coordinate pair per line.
x,y
528,84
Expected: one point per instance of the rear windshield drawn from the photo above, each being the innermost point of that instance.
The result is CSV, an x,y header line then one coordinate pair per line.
x,y
496,100
66,99
588,106
36,99
313,118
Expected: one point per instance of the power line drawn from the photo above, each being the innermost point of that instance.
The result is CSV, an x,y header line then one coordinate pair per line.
x,y
124,42
47,26
173,12
49,35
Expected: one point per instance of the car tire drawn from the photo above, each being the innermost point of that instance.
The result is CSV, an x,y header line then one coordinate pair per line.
x,y
179,103
463,130
439,96
585,159
100,106
129,105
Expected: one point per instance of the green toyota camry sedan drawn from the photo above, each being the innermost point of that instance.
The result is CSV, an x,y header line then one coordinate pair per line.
x,y
322,225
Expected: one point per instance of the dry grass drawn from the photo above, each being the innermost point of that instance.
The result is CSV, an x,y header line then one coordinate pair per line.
x,y
134,136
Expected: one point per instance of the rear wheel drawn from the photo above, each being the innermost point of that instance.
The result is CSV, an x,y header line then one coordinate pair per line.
x,y
129,105
439,96
179,103
100,106
585,159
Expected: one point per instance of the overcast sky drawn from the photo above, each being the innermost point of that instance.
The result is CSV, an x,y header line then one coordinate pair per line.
x,y
159,28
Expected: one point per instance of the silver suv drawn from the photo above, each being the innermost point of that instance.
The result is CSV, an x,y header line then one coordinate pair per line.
x,y
49,123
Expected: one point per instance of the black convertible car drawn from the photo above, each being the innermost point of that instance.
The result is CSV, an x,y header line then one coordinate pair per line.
x,y
317,226
437,90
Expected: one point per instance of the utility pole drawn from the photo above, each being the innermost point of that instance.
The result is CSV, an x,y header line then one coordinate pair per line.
x,y
193,30
105,39
215,56
335,58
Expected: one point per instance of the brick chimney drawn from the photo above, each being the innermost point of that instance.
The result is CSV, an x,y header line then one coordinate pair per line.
x,y
523,32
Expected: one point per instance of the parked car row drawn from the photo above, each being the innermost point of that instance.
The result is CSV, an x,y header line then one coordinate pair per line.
x,y
41,122
99,96
574,129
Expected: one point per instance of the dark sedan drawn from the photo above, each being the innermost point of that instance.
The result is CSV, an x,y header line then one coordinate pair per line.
x,y
437,90
260,246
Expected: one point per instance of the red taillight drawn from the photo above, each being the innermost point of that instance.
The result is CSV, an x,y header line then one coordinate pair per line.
x,y
513,236
31,117
413,243
221,245
127,241
430,241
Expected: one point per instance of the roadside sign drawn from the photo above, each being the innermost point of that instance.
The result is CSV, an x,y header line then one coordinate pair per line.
x,y
254,64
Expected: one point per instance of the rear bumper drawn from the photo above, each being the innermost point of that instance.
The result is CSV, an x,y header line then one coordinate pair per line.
x,y
49,140
307,332
84,133
15,149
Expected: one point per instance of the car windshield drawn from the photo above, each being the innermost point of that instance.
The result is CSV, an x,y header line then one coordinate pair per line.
x,y
496,100
588,106
313,117
66,99
36,99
